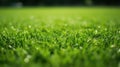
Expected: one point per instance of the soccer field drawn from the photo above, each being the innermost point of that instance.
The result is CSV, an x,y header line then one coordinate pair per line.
x,y
60,37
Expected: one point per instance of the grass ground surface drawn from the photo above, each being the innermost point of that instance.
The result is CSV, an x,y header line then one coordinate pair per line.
x,y
60,37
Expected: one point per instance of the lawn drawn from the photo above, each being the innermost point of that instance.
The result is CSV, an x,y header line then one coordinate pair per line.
x,y
60,37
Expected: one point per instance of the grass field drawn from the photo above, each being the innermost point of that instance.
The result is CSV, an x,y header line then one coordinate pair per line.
x,y
60,37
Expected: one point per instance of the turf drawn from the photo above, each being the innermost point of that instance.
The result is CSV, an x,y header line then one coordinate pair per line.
x,y
60,37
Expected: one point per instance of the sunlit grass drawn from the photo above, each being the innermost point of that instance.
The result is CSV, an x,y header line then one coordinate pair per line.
x,y
60,37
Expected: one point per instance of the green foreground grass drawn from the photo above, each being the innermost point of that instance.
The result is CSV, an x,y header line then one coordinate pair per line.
x,y
60,37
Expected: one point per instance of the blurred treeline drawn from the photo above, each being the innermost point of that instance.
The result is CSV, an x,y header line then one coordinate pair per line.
x,y
59,2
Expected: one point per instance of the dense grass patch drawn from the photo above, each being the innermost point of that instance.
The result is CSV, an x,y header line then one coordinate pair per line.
x,y
60,37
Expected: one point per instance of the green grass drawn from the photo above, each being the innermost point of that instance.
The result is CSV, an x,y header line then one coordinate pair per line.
x,y
60,37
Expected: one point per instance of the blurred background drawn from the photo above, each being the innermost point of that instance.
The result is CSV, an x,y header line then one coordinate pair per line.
x,y
20,3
